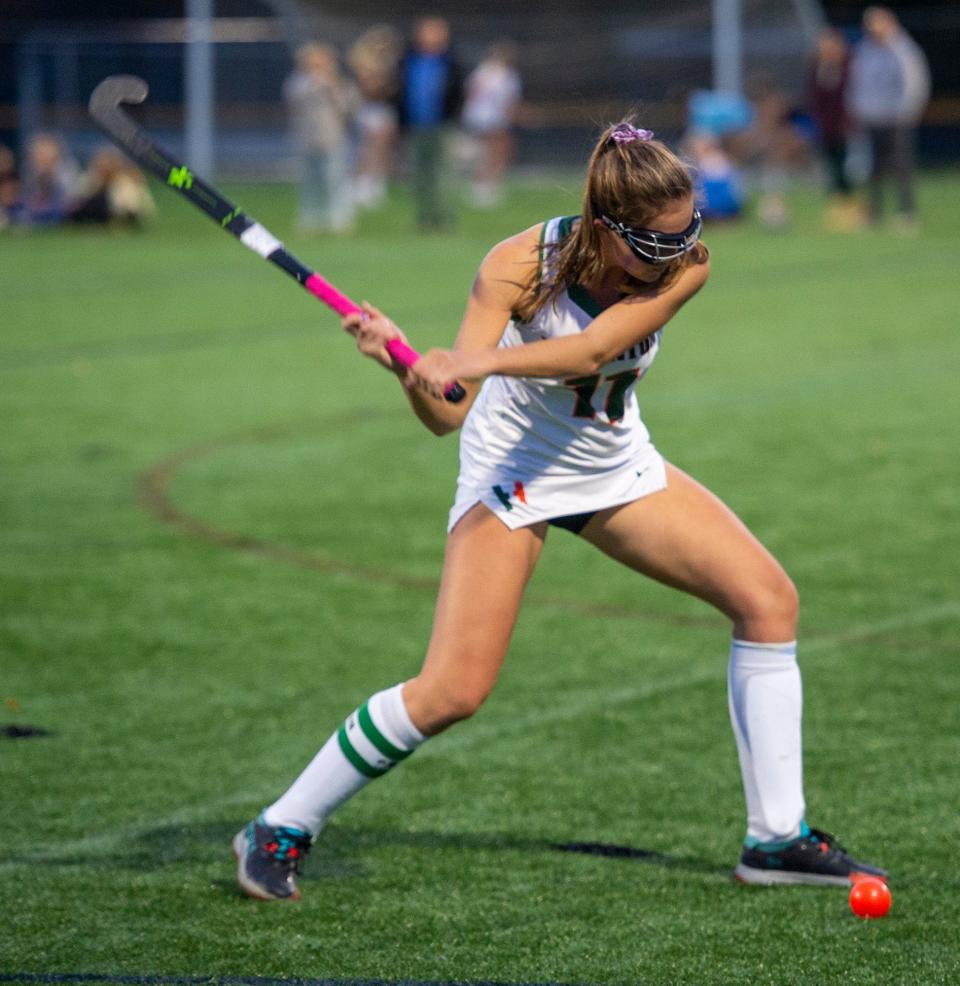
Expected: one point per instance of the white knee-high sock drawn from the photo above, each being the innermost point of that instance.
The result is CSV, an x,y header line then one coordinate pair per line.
x,y
374,738
766,705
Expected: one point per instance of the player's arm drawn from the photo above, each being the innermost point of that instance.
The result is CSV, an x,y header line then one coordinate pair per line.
x,y
613,332
496,291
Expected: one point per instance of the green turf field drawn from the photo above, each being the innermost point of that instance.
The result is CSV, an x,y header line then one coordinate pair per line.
x,y
219,533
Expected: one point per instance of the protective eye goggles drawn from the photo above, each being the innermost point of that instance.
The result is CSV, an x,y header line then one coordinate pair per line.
x,y
653,247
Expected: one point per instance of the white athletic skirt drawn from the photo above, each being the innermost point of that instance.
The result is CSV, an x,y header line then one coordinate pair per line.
x,y
520,501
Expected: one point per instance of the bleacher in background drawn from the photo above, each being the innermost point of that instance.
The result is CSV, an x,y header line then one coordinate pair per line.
x,y
582,67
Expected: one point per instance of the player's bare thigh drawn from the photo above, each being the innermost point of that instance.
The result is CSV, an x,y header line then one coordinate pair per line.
x,y
485,570
685,537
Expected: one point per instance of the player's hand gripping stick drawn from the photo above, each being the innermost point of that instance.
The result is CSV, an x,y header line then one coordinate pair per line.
x,y
397,348
105,103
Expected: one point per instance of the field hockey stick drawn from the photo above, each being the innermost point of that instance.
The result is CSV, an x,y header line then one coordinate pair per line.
x,y
105,108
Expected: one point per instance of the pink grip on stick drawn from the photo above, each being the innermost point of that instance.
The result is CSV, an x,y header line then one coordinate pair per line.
x,y
329,295
402,353
397,348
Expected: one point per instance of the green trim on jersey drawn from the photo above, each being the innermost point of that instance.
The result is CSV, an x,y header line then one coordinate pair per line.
x,y
576,292
566,226
582,298
540,252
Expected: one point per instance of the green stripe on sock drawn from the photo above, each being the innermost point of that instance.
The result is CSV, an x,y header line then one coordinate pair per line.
x,y
377,738
351,754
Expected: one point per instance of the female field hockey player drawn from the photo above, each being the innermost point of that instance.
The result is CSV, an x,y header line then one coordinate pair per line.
x,y
562,321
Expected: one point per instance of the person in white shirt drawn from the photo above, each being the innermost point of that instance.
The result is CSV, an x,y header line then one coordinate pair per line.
x,y
322,103
888,92
493,93
375,61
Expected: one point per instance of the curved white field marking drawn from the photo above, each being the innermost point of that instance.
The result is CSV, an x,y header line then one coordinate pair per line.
x,y
916,618
104,841
581,703
584,701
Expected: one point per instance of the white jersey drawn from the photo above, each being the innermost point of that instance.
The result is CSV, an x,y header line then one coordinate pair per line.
x,y
534,448
492,93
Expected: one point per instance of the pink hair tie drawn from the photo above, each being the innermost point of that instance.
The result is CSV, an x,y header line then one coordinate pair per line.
x,y
626,133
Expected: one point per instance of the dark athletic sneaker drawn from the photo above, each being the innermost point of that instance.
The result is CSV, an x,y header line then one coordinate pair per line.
x,y
268,859
813,857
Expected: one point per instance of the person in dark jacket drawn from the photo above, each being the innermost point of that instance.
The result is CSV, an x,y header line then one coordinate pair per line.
x,y
827,95
431,93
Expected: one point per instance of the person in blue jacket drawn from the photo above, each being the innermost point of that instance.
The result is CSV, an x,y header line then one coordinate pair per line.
x,y
431,94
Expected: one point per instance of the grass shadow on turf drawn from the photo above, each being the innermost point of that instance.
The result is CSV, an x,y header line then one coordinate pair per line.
x,y
338,855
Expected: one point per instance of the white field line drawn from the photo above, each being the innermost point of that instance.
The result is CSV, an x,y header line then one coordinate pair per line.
x,y
583,701
577,706
917,618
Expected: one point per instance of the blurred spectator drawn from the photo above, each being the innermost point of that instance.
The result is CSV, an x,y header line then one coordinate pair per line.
x,y
493,91
827,94
774,148
375,62
719,113
9,184
50,181
889,89
430,97
322,103
716,178
112,191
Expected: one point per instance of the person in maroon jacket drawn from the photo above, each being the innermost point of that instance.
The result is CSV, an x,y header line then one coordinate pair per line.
x,y
827,101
